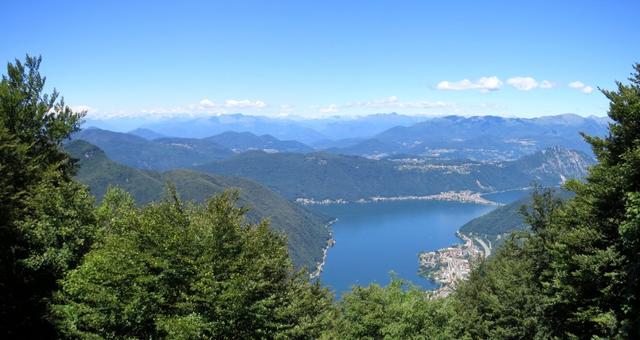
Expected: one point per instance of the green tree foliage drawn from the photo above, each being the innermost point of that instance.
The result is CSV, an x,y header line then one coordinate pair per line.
x,y
178,270
306,231
500,300
581,264
592,283
46,219
398,311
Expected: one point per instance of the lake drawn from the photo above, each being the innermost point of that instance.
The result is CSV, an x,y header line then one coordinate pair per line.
x,y
507,196
374,239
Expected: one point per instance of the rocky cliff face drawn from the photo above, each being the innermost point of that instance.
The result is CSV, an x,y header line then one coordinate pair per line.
x,y
557,162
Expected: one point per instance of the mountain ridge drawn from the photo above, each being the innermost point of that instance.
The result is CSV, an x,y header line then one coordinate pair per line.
x,y
147,154
305,230
323,175
481,137
244,141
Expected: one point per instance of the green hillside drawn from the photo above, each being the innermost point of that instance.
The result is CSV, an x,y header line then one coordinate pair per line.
x,y
99,172
322,175
159,154
496,224
243,141
305,230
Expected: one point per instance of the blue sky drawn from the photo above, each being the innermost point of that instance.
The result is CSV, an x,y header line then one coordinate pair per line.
x,y
304,58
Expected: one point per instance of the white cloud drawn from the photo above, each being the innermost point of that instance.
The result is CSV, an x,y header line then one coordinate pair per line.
x,y
523,83
545,84
484,84
204,107
333,108
376,103
464,84
208,106
393,102
487,84
388,103
425,104
207,103
578,85
83,108
243,104
169,112
285,110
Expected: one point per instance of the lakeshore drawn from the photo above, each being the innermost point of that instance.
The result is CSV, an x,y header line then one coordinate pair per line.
x,y
466,196
330,243
449,266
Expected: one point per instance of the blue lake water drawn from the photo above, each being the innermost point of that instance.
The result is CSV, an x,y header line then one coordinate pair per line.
x,y
375,239
507,196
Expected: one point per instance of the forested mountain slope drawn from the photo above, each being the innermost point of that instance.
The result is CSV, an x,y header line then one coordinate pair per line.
x,y
324,175
305,230
158,154
243,141
497,224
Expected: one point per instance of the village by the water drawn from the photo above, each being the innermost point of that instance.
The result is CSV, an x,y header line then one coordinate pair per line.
x,y
448,266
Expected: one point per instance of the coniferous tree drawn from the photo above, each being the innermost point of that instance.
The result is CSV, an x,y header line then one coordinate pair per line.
x,y
592,284
46,219
580,266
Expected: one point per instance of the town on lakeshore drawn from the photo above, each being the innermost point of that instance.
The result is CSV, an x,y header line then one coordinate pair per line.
x,y
451,265
465,196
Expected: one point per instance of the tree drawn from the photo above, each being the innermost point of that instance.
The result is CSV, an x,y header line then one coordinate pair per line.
x,y
501,298
577,275
46,219
177,270
397,311
593,280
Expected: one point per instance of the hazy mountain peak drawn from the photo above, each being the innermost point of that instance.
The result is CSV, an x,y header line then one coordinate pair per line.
x,y
146,133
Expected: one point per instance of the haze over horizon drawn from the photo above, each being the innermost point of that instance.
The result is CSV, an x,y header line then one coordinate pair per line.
x,y
343,59
385,120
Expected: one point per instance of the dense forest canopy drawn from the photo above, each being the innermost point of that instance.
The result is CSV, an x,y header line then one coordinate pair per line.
x,y
171,269
47,221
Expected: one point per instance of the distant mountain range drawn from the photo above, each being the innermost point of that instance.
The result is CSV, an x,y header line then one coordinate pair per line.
x,y
360,127
158,154
481,137
306,231
146,134
450,137
322,175
244,141
284,129
146,149
308,131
